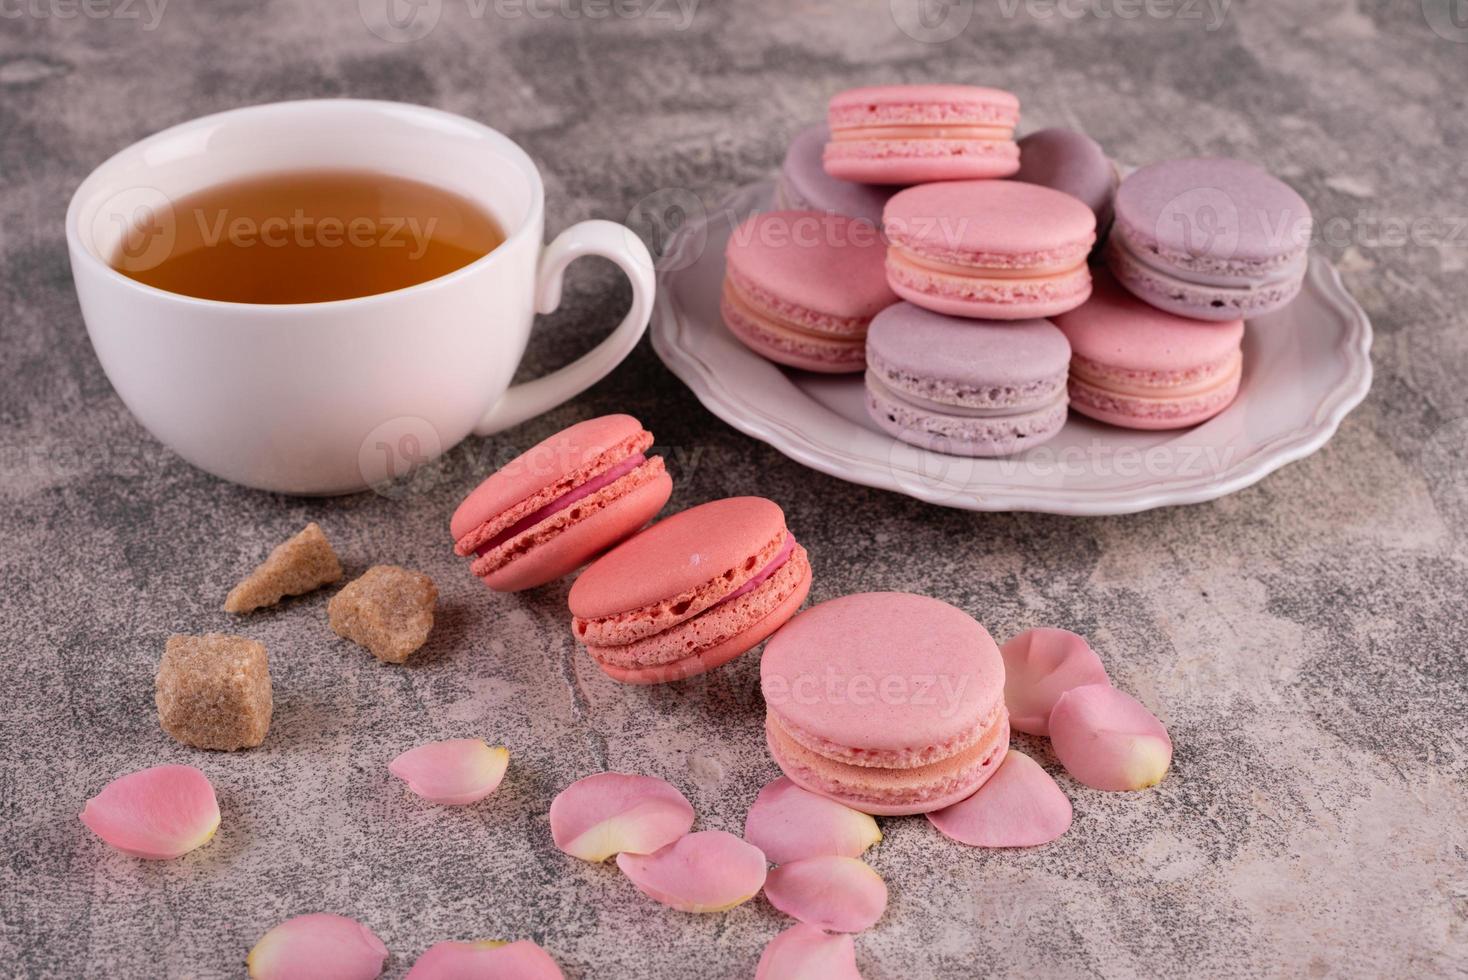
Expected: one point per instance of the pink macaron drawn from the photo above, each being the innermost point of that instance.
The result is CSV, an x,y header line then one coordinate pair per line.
x,y
887,702
801,288
691,592
1136,366
561,503
912,134
989,249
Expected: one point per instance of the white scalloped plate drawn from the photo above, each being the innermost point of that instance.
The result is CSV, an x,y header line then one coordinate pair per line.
x,y
1304,369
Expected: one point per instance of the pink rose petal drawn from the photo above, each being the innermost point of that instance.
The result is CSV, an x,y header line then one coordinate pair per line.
x,y
319,946
789,823
611,812
1108,740
841,894
804,952
487,959
1020,806
709,871
1039,666
456,772
155,813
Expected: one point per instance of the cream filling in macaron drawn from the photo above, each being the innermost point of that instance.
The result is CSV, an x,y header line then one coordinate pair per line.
x,y
875,383
1118,381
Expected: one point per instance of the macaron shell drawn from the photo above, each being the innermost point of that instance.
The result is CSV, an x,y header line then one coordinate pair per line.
x,y
542,467
921,161
716,656
976,363
960,435
998,223
717,541
911,134
1201,301
948,659
769,339
891,792
989,299
1213,214
562,551
1117,330
1137,412
878,105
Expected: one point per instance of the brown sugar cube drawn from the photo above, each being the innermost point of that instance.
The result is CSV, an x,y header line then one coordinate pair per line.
x,y
389,610
213,691
297,566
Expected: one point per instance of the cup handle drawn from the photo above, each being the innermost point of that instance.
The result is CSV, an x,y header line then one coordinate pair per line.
x,y
622,246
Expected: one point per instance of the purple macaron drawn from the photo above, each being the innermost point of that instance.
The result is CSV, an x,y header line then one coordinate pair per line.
x,y
805,186
1070,161
966,387
1209,238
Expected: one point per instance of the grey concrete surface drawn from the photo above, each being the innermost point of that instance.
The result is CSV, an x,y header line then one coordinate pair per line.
x,y
1303,639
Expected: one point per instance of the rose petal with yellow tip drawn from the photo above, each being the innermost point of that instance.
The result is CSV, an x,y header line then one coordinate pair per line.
x,y
804,952
490,959
156,813
709,871
318,946
1039,666
841,894
1108,740
1020,806
789,823
456,772
612,812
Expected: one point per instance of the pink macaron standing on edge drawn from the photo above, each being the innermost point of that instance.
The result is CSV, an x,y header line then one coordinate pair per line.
x,y
1140,367
888,702
1210,238
561,503
912,134
692,592
989,249
801,287
966,387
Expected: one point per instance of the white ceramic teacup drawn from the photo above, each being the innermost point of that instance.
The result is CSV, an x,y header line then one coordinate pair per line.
x,y
331,397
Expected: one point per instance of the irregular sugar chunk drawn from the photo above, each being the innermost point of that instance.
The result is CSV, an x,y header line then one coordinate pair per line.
x,y
456,772
838,893
804,952
789,823
612,812
709,871
1108,740
213,691
389,610
486,959
318,946
156,813
302,564
1020,806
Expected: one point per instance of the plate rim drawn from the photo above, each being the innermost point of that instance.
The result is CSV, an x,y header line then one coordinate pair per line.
x,y
1315,430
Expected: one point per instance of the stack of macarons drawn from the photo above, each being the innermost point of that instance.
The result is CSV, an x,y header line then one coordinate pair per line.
x,y
984,232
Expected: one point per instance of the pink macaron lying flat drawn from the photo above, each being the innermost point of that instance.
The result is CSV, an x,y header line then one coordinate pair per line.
x,y
691,592
989,249
1070,161
1139,367
912,134
801,287
850,718
561,503
487,959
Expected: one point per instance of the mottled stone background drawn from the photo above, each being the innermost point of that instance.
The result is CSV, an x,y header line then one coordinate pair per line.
x,y
1302,639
